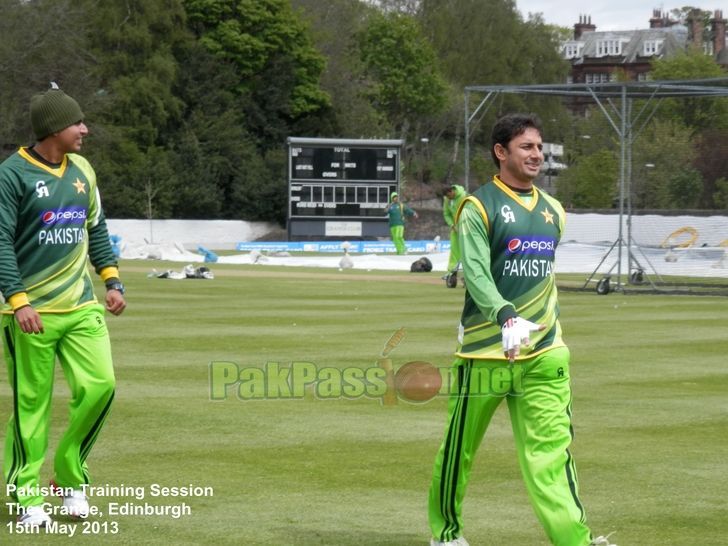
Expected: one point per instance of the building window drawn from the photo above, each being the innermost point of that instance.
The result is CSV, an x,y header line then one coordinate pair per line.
x,y
643,77
600,77
572,50
651,47
609,47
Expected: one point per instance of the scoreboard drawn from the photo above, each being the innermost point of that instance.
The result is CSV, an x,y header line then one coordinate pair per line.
x,y
340,187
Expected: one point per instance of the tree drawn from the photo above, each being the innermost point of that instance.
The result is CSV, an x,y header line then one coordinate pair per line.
x,y
278,68
591,183
334,30
218,157
403,80
720,197
662,173
695,112
684,189
487,42
134,109
711,161
31,58
706,118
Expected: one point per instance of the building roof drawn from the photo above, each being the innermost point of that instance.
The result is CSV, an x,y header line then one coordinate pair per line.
x,y
673,40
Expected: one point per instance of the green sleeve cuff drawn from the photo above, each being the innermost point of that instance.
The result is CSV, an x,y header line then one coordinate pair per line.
x,y
506,312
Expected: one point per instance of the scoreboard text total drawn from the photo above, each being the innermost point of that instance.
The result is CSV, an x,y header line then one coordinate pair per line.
x,y
343,163
342,181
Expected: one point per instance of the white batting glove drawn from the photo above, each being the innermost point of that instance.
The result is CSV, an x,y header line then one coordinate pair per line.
x,y
516,332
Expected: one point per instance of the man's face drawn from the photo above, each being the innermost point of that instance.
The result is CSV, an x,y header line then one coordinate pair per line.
x,y
450,194
71,138
521,161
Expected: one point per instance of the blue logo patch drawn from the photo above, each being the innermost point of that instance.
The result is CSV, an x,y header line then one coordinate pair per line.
x,y
67,215
541,246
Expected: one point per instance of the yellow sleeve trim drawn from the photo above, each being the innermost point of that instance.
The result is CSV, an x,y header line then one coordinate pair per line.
x,y
109,272
478,205
19,299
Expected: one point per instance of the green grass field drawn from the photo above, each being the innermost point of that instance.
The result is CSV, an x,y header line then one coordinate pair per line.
x,y
650,378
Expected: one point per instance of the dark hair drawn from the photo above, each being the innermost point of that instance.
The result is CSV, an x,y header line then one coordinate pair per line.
x,y
509,127
444,190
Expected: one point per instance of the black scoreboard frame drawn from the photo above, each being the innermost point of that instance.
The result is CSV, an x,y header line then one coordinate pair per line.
x,y
339,188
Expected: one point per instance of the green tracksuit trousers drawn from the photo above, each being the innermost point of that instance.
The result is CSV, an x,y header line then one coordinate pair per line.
x,y
538,394
454,256
80,340
397,233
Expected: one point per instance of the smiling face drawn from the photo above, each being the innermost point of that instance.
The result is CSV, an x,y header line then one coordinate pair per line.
x,y
521,160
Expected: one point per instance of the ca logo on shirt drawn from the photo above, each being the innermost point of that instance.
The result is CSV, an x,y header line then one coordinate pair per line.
x,y
41,190
507,215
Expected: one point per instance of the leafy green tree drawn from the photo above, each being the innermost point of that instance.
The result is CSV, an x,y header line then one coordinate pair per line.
x,y
720,197
404,82
40,41
695,112
487,42
334,32
684,189
706,117
711,160
662,155
216,153
278,68
134,109
591,183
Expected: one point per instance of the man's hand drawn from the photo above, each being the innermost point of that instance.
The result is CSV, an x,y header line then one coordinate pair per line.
x,y
115,303
516,332
29,320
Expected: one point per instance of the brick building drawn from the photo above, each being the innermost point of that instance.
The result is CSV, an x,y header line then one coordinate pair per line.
x,y
601,56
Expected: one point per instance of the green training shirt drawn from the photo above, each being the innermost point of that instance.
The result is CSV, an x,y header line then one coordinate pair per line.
x,y
50,220
397,213
451,206
508,243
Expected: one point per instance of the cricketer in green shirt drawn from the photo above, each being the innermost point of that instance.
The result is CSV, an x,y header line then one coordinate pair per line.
x,y
397,212
51,223
51,220
510,345
512,255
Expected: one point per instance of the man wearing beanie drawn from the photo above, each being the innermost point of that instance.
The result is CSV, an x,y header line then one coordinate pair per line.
x,y
50,221
397,212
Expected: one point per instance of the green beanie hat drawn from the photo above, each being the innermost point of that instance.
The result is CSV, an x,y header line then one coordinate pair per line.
x,y
53,111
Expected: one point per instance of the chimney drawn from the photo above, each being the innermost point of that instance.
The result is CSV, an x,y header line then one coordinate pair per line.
x,y
584,25
658,20
717,25
695,28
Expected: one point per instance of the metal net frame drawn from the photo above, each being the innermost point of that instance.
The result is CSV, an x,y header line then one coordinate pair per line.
x,y
616,102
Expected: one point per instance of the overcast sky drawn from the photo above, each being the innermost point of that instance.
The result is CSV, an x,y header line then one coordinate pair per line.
x,y
608,14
